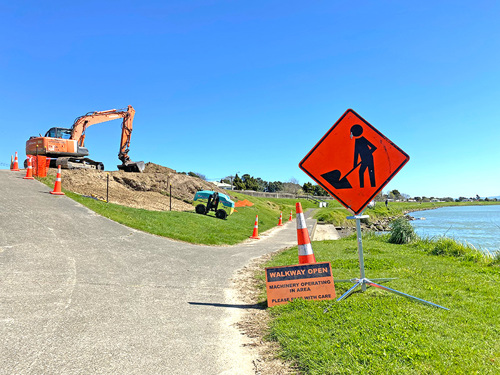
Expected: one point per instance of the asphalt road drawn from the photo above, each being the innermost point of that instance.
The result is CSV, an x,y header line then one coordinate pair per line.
x,y
81,294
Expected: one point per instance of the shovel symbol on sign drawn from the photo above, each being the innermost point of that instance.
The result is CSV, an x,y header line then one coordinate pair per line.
x,y
333,178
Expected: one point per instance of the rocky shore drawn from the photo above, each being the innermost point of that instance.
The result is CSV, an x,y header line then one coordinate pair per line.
x,y
377,225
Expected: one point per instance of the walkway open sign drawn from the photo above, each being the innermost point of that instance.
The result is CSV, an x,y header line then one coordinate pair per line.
x,y
353,161
313,281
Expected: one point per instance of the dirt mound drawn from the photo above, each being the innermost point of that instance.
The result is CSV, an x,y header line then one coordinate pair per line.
x,y
155,168
149,190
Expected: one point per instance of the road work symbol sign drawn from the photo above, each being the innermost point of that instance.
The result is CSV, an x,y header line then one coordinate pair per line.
x,y
353,161
308,281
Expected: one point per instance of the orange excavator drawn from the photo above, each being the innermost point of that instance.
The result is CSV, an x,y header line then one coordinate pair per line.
x,y
66,147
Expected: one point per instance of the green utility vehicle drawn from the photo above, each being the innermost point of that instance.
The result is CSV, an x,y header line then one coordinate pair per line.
x,y
207,200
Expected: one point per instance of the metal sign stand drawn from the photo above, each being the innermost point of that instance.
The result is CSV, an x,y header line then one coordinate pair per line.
x,y
363,281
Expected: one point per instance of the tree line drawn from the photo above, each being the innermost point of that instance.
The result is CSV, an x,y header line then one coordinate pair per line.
x,y
248,182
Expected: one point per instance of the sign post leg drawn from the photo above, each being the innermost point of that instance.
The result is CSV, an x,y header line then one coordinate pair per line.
x,y
363,281
360,251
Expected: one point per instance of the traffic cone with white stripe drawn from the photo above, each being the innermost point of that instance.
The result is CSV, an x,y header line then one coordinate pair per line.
x,y
280,222
57,185
29,171
306,254
15,166
255,233
290,218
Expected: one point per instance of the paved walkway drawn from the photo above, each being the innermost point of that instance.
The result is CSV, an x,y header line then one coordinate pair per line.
x,y
81,294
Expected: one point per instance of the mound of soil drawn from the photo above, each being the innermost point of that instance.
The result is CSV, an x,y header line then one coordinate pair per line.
x,y
149,190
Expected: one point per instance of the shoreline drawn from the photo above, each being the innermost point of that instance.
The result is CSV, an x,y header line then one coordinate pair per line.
x,y
382,224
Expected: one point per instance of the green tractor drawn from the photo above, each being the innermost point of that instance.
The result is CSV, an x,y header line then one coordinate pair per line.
x,y
207,200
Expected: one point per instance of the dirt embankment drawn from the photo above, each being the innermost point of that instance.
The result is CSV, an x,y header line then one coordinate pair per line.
x,y
149,190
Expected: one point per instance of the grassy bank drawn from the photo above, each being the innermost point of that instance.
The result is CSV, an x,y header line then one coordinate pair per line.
x,y
191,227
377,332
200,229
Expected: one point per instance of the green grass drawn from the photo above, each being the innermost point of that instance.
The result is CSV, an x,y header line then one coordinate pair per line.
x,y
378,332
191,227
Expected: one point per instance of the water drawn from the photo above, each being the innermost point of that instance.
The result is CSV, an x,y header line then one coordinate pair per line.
x,y
476,225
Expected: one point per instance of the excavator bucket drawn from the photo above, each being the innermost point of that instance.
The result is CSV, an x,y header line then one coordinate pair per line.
x,y
132,166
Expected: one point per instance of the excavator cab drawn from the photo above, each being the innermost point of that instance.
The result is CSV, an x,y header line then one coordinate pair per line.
x,y
62,133
207,200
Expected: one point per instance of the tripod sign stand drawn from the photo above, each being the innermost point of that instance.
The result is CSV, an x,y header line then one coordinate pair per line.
x,y
363,281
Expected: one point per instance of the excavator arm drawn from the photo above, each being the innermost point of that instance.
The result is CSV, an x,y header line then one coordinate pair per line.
x,y
91,118
126,133
83,122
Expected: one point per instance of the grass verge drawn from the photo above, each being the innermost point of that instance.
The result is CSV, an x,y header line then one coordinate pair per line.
x,y
377,332
191,227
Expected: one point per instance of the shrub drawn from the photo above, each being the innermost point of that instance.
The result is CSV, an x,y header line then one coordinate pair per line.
x,y
449,247
402,232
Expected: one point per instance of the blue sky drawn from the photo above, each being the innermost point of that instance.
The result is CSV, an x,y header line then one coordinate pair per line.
x,y
221,87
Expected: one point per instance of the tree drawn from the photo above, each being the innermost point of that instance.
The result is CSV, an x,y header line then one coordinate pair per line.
x,y
319,191
262,185
250,182
238,183
308,188
292,186
275,186
394,194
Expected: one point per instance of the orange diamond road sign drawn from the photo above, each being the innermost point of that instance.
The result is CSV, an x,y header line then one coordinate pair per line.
x,y
353,161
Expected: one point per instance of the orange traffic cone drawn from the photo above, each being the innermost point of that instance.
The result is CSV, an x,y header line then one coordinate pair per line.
x,y
306,254
15,166
290,218
29,171
255,233
280,222
57,186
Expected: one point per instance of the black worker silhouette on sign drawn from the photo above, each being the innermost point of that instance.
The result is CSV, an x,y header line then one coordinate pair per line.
x,y
363,150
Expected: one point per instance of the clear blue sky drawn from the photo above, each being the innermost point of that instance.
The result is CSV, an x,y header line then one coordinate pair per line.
x,y
221,87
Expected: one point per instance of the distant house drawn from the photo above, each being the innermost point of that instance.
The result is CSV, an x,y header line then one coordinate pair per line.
x,y
222,185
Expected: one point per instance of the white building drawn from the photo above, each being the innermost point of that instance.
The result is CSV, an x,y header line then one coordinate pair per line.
x,y
222,185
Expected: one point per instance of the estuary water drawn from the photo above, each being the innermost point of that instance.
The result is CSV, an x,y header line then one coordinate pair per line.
x,y
476,225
